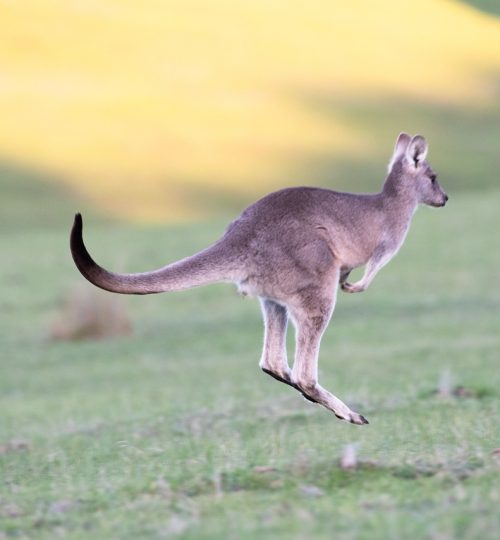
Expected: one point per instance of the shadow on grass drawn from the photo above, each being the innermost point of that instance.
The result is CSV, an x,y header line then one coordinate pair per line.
x,y
463,141
206,198
492,7
31,199
463,149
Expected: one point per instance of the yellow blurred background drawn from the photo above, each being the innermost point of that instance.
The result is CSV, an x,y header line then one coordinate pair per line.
x,y
144,108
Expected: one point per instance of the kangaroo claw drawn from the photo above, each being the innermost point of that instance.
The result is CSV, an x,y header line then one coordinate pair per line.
x,y
358,419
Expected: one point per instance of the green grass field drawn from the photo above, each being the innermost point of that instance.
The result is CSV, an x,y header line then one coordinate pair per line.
x,y
175,432
180,112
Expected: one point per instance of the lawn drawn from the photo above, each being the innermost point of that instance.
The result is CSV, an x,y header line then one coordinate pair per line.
x,y
175,432
160,122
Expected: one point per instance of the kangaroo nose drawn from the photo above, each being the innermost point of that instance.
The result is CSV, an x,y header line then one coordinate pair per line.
x,y
446,198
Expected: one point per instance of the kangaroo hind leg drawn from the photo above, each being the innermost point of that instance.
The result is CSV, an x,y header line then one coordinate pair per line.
x,y
311,315
274,358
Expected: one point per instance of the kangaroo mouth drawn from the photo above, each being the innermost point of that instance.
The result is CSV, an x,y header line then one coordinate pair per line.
x,y
441,203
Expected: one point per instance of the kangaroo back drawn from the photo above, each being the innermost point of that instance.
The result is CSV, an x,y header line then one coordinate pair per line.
x,y
211,265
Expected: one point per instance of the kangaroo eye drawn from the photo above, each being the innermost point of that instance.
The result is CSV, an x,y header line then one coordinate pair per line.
x,y
433,178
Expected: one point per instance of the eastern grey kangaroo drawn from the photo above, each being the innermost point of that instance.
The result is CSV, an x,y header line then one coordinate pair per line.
x,y
292,249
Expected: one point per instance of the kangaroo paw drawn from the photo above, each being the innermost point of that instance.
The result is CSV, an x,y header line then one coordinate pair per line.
x,y
352,287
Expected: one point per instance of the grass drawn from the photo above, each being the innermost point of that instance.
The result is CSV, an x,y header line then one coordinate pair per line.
x,y
173,111
174,431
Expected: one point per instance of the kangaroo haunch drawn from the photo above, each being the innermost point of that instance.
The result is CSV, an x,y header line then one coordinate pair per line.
x,y
292,249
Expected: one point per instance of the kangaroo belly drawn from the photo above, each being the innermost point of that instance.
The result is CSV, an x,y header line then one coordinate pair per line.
x,y
281,264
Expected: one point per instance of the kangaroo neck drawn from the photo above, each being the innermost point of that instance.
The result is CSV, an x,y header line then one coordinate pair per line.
x,y
399,203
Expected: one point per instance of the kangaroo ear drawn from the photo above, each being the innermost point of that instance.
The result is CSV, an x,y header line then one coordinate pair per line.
x,y
417,150
402,143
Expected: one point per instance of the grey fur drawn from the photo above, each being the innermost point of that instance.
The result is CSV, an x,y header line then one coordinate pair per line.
x,y
292,249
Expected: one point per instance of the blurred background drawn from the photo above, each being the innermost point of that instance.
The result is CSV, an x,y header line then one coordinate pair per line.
x,y
176,111
162,120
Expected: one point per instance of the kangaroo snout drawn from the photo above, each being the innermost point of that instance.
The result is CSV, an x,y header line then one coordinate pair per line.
x,y
442,202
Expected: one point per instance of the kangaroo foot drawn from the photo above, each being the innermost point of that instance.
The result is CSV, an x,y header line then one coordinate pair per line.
x,y
353,418
315,392
289,382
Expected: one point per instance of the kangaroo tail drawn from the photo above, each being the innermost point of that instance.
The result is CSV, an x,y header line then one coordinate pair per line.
x,y
207,266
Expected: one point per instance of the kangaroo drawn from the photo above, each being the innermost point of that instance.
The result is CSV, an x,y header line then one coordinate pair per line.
x,y
292,249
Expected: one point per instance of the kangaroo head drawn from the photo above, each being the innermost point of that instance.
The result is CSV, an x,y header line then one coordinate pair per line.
x,y
412,172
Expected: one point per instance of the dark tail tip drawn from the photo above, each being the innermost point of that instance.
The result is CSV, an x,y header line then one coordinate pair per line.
x,y
78,221
76,233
